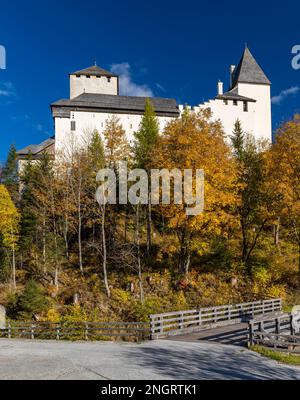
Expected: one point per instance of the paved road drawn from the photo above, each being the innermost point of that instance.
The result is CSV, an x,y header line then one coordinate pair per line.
x,y
27,360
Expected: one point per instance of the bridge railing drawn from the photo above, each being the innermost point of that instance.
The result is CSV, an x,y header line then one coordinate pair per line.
x,y
126,331
278,331
180,322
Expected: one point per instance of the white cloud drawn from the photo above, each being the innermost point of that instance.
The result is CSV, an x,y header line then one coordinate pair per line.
x,y
284,94
39,127
5,93
127,86
7,89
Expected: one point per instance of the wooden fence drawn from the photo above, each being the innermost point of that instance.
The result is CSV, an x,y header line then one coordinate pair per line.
x,y
278,332
77,331
181,322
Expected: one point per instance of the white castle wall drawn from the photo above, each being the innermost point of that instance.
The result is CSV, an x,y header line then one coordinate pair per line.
x,y
87,122
262,123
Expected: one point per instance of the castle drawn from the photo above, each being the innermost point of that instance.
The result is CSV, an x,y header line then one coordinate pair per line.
x,y
95,96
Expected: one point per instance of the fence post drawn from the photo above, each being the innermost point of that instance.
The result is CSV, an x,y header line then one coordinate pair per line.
x,y
251,341
152,329
181,321
32,332
229,312
292,324
9,331
58,332
86,333
277,326
200,318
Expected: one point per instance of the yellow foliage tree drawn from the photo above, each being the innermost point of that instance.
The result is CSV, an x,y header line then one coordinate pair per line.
x,y
195,142
285,175
9,226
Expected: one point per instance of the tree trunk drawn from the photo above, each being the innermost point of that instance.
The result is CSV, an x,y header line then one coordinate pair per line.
x,y
139,254
80,227
149,226
44,241
276,233
185,256
14,268
104,264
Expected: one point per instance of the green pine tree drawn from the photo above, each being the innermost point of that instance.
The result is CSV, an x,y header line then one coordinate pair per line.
x,y
9,175
238,140
146,137
32,301
96,152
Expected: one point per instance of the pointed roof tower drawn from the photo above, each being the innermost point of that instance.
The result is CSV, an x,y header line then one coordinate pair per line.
x,y
249,71
94,70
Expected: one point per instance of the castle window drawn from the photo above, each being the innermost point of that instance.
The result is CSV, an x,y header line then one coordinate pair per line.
x,y
225,102
88,76
77,76
108,80
73,126
235,103
245,106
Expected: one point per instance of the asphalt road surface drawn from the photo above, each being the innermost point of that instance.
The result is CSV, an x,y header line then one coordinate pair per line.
x,y
162,359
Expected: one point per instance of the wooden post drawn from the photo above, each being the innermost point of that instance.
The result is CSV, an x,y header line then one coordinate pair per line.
x,y
229,313
277,326
58,332
152,328
32,332
86,333
9,331
200,318
291,325
181,322
251,339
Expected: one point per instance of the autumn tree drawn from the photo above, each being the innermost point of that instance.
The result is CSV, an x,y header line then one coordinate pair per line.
x,y
256,198
285,176
194,142
9,228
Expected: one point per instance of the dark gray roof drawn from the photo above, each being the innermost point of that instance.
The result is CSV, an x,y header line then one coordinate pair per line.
x,y
94,71
248,71
233,95
111,103
35,149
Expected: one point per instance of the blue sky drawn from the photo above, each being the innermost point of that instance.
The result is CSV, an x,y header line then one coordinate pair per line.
x,y
166,48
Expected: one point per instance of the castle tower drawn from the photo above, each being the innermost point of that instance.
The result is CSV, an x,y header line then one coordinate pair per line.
x,y
249,80
93,80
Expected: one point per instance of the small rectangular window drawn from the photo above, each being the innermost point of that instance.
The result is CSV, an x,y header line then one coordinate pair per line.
x,y
245,106
108,80
235,103
73,126
88,76
225,102
77,76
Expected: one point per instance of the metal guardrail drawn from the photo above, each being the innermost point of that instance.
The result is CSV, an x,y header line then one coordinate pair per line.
x,y
181,322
